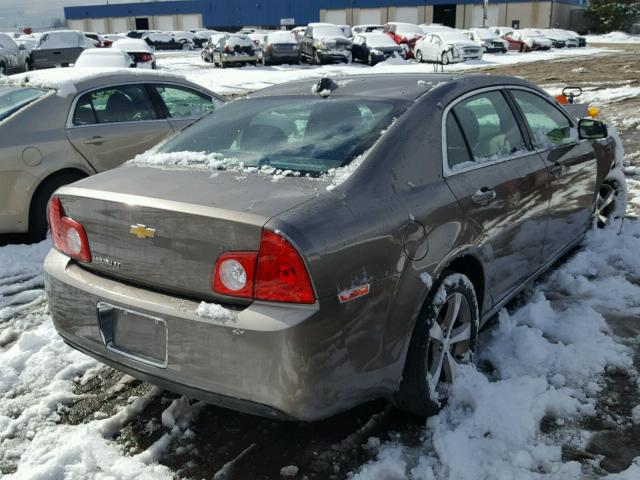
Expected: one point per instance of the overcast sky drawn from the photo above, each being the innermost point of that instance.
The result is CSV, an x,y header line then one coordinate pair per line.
x,y
39,13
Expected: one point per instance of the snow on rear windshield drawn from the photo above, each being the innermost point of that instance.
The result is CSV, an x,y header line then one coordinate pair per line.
x,y
379,40
61,40
239,41
327,31
281,37
298,134
485,34
453,37
13,99
408,29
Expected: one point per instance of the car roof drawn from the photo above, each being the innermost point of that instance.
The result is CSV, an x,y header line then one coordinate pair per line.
x,y
69,80
398,86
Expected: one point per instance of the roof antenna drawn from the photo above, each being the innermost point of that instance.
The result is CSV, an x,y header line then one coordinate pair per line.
x,y
324,87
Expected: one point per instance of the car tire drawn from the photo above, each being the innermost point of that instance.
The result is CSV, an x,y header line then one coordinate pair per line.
x,y
419,56
348,59
3,70
607,201
316,58
444,59
450,312
38,225
370,60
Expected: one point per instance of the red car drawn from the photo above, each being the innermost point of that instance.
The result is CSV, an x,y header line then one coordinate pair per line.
x,y
514,44
404,34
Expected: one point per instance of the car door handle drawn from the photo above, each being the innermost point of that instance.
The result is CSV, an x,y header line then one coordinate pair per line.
x,y
557,169
97,140
483,196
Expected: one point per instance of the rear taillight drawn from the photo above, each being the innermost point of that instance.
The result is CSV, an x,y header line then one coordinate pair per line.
x,y
234,274
68,235
145,57
281,275
227,48
275,273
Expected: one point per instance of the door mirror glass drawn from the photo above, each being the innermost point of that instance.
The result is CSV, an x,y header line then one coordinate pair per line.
x,y
590,129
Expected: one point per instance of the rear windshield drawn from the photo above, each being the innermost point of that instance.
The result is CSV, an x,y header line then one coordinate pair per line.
x,y
281,37
239,41
300,134
380,40
13,99
453,37
485,34
61,40
327,31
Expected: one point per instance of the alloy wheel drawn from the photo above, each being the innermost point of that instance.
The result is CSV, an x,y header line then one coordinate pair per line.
x,y
419,56
605,204
445,58
449,341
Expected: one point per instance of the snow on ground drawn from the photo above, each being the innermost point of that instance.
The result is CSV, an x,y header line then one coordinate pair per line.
x,y
230,81
546,358
613,37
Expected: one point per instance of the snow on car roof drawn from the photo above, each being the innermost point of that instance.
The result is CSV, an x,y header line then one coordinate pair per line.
x,y
132,45
66,80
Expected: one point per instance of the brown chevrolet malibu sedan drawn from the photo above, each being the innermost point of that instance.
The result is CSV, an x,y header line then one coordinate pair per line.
x,y
317,245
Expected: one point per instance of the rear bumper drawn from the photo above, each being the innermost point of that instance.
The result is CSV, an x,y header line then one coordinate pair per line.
x,y
226,58
329,56
275,360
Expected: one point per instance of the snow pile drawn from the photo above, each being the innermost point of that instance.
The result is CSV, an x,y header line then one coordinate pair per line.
x,y
181,159
613,37
545,357
213,311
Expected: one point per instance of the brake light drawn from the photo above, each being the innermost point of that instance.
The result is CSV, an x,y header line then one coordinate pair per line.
x,y
145,57
227,48
275,273
233,274
281,275
68,235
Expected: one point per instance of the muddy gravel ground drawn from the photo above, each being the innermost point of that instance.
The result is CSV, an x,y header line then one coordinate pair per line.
x,y
222,444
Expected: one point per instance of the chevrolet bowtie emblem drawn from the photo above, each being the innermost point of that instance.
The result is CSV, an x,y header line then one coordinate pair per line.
x,y
141,231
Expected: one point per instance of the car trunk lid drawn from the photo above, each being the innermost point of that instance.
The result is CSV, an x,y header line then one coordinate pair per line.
x,y
164,229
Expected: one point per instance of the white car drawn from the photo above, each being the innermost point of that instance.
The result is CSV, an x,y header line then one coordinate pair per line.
x,y
139,51
446,47
532,39
557,34
488,40
104,57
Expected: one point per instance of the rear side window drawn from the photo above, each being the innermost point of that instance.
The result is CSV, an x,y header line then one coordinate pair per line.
x,y
489,127
126,103
548,125
183,102
457,151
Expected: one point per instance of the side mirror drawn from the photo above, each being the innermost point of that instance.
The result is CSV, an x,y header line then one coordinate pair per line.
x,y
590,129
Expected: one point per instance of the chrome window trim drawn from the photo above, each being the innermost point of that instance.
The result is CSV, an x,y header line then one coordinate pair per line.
x,y
217,101
446,170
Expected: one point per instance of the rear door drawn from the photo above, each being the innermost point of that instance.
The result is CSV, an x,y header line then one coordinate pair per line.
x,y
500,183
111,125
572,166
183,105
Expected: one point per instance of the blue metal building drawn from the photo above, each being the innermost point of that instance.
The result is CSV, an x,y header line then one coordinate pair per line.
x,y
237,13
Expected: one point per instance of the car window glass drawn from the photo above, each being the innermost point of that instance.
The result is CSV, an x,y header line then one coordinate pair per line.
x,y
457,152
184,103
489,127
548,125
306,135
126,103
